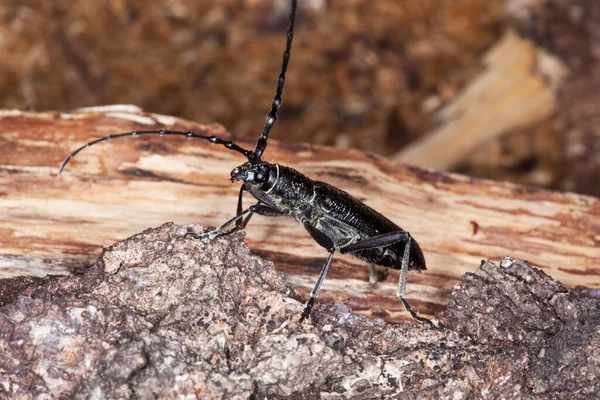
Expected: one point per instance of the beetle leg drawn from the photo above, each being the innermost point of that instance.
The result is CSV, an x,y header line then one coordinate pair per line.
x,y
388,239
402,288
374,276
265,210
403,274
384,273
221,230
384,240
259,209
323,241
240,222
402,284
315,292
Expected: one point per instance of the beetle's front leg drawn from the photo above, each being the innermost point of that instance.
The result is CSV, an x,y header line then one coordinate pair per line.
x,y
241,223
221,230
259,209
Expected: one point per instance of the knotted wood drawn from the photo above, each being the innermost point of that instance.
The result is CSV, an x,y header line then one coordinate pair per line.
x,y
113,190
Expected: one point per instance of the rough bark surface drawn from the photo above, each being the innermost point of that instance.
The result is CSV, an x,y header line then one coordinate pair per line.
x,y
163,315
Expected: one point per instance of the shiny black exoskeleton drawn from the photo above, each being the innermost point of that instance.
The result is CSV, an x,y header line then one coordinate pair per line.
x,y
326,210
335,220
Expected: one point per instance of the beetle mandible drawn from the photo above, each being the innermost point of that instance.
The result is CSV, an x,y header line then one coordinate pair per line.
x,y
335,220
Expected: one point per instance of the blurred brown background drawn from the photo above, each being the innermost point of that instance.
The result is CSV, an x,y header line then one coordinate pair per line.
x,y
511,88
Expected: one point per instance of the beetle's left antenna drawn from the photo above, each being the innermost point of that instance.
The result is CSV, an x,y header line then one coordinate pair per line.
x,y
261,144
163,132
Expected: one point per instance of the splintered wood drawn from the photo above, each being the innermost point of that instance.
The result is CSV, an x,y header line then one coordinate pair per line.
x,y
119,188
515,90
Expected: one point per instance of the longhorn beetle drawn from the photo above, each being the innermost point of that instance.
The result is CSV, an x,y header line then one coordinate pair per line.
x,y
334,219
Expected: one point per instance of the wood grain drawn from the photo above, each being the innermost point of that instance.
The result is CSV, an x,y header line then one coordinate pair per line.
x,y
116,189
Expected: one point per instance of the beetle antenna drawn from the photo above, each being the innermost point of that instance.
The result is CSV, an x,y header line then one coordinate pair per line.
x,y
261,144
163,132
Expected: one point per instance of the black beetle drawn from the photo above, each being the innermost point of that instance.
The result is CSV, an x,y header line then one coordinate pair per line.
x,y
334,219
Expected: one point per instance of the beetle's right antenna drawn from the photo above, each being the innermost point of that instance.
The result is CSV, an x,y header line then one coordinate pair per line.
x,y
261,144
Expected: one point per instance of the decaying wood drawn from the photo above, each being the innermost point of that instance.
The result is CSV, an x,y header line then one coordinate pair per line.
x,y
515,90
163,316
115,189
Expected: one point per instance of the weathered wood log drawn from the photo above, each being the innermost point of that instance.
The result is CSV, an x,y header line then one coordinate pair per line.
x,y
112,190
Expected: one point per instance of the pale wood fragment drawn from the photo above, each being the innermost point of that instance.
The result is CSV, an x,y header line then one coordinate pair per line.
x,y
515,90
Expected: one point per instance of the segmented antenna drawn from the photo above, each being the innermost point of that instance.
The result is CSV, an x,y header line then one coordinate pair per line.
x,y
261,144
192,135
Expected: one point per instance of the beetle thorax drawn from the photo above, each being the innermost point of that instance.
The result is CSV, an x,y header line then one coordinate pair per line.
x,y
278,186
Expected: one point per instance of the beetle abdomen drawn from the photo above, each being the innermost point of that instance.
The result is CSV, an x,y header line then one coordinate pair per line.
x,y
339,205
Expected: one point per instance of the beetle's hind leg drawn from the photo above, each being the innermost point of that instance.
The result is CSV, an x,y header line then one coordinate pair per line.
x,y
388,239
372,275
402,289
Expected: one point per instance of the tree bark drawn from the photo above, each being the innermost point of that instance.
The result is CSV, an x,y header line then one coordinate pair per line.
x,y
113,190
164,316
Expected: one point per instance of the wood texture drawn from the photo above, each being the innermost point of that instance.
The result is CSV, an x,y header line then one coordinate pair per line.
x,y
515,90
115,189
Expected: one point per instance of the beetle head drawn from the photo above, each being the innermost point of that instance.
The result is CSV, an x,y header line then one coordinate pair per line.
x,y
251,173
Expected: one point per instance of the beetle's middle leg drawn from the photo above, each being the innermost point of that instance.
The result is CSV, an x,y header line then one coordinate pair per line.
x,y
323,241
315,292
